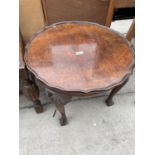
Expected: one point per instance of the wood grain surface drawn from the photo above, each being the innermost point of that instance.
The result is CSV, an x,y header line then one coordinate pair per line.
x,y
79,56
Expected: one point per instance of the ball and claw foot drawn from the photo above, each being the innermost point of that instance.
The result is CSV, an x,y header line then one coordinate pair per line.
x,y
60,100
109,102
63,121
31,91
38,107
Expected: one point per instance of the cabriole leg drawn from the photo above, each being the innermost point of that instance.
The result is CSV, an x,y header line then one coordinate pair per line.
x,y
109,101
31,91
60,100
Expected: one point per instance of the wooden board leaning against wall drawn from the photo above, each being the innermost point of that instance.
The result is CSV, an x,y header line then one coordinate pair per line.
x,y
31,18
33,13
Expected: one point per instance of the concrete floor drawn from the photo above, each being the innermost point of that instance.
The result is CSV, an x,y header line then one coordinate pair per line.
x,y
93,129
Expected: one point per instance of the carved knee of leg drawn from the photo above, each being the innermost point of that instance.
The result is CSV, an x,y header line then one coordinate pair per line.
x,y
61,99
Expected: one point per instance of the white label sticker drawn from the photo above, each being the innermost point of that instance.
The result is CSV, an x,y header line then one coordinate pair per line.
x,y
79,53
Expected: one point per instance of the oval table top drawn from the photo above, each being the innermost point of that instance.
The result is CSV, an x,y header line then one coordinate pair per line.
x,y
79,56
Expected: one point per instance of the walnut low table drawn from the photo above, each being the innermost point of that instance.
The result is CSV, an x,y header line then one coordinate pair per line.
x,y
79,58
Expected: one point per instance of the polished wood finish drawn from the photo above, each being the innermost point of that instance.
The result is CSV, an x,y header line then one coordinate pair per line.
x,y
83,10
79,58
131,32
54,57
